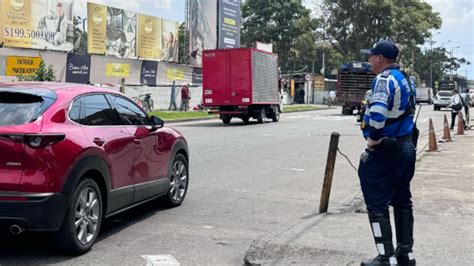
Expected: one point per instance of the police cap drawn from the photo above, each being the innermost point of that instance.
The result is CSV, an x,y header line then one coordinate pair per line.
x,y
385,48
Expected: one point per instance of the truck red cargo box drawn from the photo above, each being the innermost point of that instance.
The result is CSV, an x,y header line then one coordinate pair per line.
x,y
239,77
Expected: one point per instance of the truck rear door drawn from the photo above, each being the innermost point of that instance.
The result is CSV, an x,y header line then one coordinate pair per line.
x,y
215,78
240,77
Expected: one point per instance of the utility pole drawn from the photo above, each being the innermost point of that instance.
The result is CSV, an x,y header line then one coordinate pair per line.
x,y
323,70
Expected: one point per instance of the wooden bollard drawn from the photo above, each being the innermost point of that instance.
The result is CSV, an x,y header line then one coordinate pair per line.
x,y
460,124
332,152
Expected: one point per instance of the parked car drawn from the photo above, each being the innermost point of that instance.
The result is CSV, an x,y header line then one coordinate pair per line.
x,y
72,155
424,95
442,100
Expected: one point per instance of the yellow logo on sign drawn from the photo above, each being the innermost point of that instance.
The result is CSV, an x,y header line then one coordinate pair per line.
x,y
148,25
229,21
17,4
22,65
117,70
174,74
97,16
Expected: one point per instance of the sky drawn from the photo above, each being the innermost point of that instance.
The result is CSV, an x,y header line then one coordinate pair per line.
x,y
456,32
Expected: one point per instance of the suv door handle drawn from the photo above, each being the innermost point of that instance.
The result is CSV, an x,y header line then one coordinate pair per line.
x,y
98,141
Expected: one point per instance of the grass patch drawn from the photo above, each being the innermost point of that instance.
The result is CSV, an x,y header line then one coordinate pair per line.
x,y
176,115
300,107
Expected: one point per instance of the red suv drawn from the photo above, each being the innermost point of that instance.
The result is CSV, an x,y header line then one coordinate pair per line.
x,y
72,155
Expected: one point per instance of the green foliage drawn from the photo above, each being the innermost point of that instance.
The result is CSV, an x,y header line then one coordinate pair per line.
x,y
284,23
353,25
183,41
43,73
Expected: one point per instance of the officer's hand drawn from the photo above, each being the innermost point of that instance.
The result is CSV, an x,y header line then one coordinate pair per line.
x,y
372,143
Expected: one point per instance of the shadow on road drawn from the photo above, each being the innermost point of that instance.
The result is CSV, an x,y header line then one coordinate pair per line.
x,y
40,248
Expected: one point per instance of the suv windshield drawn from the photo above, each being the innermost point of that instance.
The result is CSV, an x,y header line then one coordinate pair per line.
x,y
445,94
18,108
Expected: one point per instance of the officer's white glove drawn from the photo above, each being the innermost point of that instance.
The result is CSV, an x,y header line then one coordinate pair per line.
x,y
371,143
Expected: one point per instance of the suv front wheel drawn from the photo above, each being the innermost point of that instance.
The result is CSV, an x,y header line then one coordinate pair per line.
x,y
83,219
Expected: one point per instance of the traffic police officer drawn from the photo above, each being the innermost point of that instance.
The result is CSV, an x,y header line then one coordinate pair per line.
x,y
388,163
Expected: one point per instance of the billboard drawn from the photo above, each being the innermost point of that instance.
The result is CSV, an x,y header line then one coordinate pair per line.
x,y
36,24
170,40
121,32
96,28
149,37
229,24
202,28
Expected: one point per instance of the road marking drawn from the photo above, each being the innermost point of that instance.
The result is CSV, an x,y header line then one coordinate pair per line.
x,y
294,169
154,260
208,227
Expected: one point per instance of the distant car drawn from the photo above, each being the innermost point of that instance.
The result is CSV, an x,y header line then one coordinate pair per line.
x,y
442,100
424,95
72,155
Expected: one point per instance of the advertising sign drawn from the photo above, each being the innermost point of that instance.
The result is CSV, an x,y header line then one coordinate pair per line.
x,y
148,72
37,24
117,70
96,28
197,76
78,68
202,28
121,32
149,37
170,40
22,65
229,24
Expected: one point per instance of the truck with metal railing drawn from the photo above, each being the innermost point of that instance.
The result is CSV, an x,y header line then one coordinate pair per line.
x,y
353,80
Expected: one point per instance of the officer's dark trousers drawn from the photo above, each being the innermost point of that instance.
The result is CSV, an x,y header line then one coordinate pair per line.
x,y
386,174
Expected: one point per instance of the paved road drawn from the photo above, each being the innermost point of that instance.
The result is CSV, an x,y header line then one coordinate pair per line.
x,y
246,181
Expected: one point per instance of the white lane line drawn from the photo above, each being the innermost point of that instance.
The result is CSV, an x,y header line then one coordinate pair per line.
x,y
293,169
154,260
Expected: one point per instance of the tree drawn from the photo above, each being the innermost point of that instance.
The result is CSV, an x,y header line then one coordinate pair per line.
x,y
283,23
353,25
432,64
41,74
183,44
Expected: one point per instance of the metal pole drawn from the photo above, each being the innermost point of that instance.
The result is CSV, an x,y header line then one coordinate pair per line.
x,y
324,202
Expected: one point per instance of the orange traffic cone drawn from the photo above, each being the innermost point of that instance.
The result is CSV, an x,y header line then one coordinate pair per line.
x,y
433,146
460,124
446,133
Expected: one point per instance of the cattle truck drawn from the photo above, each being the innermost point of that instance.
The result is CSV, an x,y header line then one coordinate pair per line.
x,y
353,81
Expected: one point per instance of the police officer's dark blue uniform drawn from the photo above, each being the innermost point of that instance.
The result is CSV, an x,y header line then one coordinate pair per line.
x,y
388,164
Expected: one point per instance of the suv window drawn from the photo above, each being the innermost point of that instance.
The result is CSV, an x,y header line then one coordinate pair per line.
x,y
129,113
18,108
93,110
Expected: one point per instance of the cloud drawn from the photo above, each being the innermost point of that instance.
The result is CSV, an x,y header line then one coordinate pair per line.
x,y
163,4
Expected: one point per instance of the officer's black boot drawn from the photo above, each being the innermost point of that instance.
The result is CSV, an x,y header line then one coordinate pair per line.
x,y
404,229
382,232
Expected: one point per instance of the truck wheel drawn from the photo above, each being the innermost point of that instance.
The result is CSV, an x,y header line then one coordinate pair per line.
x,y
346,110
262,116
226,120
275,115
245,119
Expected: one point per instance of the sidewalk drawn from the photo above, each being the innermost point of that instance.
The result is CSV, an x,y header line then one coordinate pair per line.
x,y
443,198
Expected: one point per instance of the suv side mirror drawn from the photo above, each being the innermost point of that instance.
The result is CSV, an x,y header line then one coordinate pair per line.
x,y
156,122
